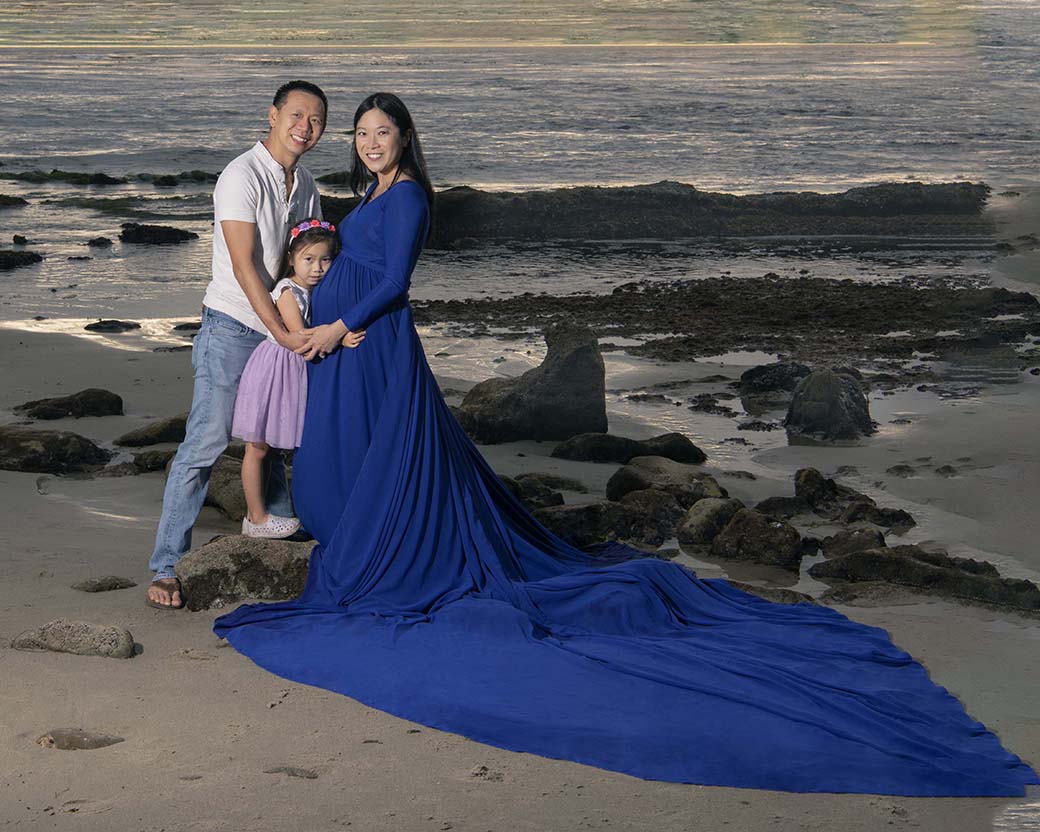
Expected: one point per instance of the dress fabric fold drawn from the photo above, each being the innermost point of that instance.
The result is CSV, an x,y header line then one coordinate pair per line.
x,y
434,595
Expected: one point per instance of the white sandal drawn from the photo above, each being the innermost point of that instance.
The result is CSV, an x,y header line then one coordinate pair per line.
x,y
273,527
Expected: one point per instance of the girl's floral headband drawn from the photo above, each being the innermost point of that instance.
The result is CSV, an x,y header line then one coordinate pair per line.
x,y
307,225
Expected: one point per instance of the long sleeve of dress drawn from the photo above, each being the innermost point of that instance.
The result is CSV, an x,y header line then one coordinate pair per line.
x,y
405,224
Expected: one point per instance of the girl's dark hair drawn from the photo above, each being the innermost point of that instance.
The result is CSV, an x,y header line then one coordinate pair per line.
x,y
306,238
412,161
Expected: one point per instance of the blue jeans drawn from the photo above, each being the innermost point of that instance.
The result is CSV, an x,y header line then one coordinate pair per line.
x,y
222,347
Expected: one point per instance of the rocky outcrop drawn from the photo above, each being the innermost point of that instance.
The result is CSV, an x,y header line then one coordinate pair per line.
x,y
752,536
684,482
147,461
706,518
155,235
783,508
933,572
772,382
111,325
8,201
161,430
560,398
15,259
605,447
80,637
643,519
99,242
827,406
553,481
234,567
889,518
90,402
48,451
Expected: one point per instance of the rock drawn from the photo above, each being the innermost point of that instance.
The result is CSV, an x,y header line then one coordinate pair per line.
x,y
774,381
644,520
157,235
605,447
783,507
851,540
829,406
188,326
225,488
901,471
775,594
947,471
165,181
234,567
105,584
754,537
759,425
99,242
293,771
562,397
888,517
90,402
815,489
14,259
161,430
79,637
7,201
706,518
147,461
48,451
76,739
684,482
553,481
932,572
110,325
532,493
19,240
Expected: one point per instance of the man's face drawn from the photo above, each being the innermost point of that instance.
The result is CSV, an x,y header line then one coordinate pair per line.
x,y
297,125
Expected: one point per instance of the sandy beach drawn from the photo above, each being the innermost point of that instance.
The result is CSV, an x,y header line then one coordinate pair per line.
x,y
206,732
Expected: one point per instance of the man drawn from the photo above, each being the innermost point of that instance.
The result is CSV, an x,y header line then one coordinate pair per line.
x,y
259,196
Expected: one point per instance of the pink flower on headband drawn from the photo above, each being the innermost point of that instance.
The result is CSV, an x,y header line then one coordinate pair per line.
x,y
307,225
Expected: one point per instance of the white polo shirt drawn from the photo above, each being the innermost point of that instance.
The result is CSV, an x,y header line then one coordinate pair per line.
x,y
252,189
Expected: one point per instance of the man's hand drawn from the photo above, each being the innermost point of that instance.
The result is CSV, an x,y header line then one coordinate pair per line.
x,y
292,340
323,340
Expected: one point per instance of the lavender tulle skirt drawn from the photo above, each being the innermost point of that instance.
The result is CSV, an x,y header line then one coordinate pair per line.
x,y
272,397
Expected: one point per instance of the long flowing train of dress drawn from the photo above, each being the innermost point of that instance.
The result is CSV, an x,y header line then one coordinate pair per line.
x,y
434,595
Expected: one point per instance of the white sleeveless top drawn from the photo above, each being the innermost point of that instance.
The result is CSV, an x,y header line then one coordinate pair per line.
x,y
300,295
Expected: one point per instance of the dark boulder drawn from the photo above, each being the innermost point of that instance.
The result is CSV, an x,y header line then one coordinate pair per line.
x,y
932,572
553,481
783,507
643,519
828,406
8,201
225,488
752,536
772,380
562,397
110,325
99,242
161,430
706,518
48,451
851,540
147,461
234,567
684,482
90,402
889,518
14,259
155,235
605,447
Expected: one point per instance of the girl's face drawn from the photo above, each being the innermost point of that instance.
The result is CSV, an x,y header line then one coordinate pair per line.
x,y
309,263
379,143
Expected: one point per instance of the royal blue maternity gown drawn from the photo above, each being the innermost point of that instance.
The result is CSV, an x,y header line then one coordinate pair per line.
x,y
434,595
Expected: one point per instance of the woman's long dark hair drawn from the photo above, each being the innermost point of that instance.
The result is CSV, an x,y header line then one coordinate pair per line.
x,y
412,161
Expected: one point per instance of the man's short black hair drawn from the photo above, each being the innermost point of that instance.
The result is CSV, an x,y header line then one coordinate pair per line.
x,y
303,86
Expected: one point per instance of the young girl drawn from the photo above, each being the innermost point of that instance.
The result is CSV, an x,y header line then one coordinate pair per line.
x,y
272,394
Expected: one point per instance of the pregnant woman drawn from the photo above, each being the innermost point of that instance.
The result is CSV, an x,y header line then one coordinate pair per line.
x,y
434,595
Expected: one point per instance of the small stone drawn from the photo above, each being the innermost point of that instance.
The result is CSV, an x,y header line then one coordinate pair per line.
x,y
946,471
105,584
111,325
99,242
76,739
293,771
79,637
902,471
19,240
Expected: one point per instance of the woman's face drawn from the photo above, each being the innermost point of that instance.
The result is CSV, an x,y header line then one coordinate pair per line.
x,y
379,143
